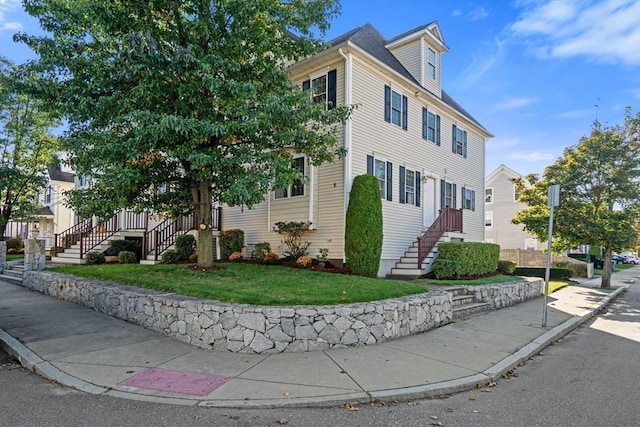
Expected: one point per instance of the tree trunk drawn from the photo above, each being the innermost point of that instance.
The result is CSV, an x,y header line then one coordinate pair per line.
x,y
201,193
606,269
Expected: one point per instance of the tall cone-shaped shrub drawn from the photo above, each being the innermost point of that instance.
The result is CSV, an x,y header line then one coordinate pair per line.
x,y
363,234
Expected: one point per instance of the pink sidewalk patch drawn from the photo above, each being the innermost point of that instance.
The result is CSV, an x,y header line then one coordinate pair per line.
x,y
176,381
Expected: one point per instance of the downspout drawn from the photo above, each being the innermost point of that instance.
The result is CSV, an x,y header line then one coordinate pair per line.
x,y
348,100
312,193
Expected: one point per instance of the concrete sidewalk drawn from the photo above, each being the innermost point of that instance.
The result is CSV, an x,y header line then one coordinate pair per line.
x,y
96,353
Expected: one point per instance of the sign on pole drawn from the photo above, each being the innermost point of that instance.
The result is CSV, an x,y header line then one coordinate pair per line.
x,y
554,200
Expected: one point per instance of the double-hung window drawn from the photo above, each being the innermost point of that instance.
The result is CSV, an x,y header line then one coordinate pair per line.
x,y
516,194
430,126
409,186
468,199
323,89
459,141
297,187
488,219
488,195
431,64
382,170
447,194
48,195
395,107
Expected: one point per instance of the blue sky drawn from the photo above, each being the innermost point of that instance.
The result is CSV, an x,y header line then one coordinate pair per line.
x,y
535,73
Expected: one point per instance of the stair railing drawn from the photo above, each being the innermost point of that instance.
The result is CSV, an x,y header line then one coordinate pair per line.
x,y
99,234
71,236
449,220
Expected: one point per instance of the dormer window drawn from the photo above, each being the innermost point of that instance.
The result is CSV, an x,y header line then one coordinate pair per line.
x,y
431,64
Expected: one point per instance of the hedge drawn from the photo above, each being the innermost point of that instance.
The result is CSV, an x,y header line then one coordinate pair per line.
x,y
554,273
471,259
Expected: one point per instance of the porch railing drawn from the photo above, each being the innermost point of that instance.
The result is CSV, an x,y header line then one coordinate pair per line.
x,y
162,236
71,236
449,220
136,221
99,234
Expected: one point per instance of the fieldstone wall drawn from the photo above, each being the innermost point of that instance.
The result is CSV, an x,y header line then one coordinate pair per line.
x,y
507,294
247,328
3,256
34,255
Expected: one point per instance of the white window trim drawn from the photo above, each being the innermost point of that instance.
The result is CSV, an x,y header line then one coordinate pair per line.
x,y
413,185
290,187
383,190
515,192
462,131
429,64
485,195
464,199
393,90
488,215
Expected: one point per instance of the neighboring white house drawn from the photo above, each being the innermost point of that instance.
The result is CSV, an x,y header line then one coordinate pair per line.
x,y
501,205
427,152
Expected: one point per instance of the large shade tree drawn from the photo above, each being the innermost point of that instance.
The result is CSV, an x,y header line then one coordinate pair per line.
x,y
191,96
599,182
26,145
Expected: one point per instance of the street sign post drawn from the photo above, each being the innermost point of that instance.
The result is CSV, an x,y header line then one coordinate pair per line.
x,y
554,200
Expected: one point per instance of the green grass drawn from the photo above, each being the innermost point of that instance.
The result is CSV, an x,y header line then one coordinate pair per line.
x,y
474,282
554,285
249,283
12,257
618,268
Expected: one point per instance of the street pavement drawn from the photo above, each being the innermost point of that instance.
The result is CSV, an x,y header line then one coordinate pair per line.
x,y
95,353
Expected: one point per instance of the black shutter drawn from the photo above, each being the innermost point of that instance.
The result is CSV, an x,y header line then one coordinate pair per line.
x,y
370,165
389,182
405,113
387,103
453,138
454,191
473,201
425,124
417,187
402,183
306,85
331,90
443,189
464,144
438,130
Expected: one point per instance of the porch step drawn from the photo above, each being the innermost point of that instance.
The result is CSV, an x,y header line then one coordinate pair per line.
x,y
461,300
13,272
466,310
67,260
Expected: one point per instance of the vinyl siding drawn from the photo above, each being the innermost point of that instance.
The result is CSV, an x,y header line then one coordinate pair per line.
x,y
328,204
503,232
385,141
431,85
410,57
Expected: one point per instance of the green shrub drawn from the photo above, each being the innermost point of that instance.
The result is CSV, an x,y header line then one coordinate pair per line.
x,y
506,267
446,269
169,257
363,231
293,234
127,257
185,246
473,258
554,273
231,241
262,249
14,243
117,246
94,257
578,270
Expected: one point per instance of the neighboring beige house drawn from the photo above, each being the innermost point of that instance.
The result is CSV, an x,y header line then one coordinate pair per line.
x,y
426,150
501,205
52,216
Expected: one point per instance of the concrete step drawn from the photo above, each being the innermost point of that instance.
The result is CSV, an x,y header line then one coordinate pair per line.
x,y
406,272
464,311
10,278
460,300
67,260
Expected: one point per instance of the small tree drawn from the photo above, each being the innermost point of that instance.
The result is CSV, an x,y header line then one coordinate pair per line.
x,y
363,234
293,234
599,182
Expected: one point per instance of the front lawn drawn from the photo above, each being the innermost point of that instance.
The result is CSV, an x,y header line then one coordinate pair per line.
x,y
500,278
249,283
13,257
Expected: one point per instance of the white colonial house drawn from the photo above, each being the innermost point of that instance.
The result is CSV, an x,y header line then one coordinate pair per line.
x,y
427,152
501,205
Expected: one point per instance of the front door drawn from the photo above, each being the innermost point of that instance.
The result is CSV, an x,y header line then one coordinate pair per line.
x,y
430,205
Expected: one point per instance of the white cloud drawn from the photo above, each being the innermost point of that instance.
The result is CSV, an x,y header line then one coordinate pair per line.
x,y
604,30
481,64
7,6
478,14
576,114
511,102
456,12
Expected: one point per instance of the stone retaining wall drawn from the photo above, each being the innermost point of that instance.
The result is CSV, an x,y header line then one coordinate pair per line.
x,y
265,329
507,294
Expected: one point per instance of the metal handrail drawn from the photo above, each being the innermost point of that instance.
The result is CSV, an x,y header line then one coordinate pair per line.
x,y
99,234
162,236
71,236
449,220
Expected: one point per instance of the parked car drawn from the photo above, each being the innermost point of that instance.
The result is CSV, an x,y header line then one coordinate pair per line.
x,y
618,259
631,259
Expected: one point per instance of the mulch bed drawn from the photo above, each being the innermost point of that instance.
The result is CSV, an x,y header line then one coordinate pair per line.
x,y
315,266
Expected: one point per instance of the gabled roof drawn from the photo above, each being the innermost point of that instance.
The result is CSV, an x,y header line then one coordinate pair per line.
x,y
371,41
432,28
503,168
56,174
